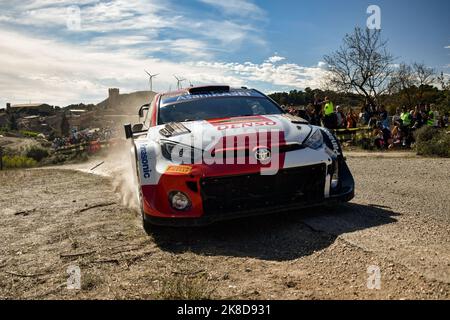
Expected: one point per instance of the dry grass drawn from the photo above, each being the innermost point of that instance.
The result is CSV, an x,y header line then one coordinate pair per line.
x,y
184,288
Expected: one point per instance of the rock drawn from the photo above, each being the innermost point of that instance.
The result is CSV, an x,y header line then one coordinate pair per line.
x,y
290,284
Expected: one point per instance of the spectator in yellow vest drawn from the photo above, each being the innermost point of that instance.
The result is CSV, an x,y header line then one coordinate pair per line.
x,y
329,120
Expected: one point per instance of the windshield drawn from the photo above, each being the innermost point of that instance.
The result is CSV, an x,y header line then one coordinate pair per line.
x,y
216,108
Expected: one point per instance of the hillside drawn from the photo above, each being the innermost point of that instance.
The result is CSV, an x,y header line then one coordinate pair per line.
x,y
124,104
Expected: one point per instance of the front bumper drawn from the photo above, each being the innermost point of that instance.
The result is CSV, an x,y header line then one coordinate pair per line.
x,y
207,220
249,198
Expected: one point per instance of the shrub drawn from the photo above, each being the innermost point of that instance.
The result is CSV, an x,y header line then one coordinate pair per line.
x,y
184,288
36,153
432,142
17,162
29,134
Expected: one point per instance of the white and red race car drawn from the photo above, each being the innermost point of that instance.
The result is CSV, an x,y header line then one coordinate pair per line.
x,y
212,153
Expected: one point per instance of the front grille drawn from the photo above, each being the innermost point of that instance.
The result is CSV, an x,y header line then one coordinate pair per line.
x,y
302,185
246,153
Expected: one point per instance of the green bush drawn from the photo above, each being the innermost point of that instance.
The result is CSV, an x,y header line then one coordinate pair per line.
x,y
432,142
29,134
17,162
36,153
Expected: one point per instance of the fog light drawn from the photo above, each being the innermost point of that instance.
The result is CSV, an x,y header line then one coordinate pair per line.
x,y
335,176
179,201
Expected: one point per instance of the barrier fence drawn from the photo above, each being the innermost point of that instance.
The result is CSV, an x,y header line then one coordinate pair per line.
x,y
90,147
352,134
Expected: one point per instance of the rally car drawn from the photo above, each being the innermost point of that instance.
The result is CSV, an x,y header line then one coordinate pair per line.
x,y
211,153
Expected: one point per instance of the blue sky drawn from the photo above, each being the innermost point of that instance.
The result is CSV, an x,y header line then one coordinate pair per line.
x,y
272,45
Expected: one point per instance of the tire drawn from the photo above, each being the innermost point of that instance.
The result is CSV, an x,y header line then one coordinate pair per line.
x,y
145,224
148,227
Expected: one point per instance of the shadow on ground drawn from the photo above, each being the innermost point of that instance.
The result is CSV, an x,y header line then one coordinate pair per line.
x,y
280,237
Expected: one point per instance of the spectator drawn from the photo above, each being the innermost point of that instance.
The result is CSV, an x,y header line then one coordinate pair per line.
x,y
384,117
317,105
364,116
406,118
417,118
340,118
397,137
311,114
329,120
383,137
396,117
352,120
432,117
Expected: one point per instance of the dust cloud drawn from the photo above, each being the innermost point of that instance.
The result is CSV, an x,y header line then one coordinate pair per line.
x,y
124,178
117,165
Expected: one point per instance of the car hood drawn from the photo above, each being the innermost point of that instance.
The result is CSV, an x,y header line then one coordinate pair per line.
x,y
205,133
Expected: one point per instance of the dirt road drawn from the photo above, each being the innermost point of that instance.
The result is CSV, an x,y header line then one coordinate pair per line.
x,y
399,222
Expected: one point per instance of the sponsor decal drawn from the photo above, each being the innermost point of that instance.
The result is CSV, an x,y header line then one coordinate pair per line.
x,y
333,141
242,123
182,169
145,163
190,97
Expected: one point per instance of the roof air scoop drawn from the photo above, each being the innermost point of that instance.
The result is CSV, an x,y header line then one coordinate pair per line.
x,y
295,119
209,89
173,129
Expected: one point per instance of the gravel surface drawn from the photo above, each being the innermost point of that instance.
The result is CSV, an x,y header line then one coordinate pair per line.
x,y
398,222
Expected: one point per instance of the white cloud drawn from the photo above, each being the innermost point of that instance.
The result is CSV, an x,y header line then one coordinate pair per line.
x,y
46,62
49,71
243,8
286,74
322,65
275,59
128,23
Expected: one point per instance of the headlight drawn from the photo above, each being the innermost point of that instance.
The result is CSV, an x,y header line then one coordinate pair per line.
x,y
335,176
180,153
315,141
179,201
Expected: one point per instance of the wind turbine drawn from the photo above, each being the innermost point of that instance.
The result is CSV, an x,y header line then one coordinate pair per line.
x,y
151,76
179,82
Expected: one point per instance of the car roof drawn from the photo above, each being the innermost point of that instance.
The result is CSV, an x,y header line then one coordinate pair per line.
x,y
204,92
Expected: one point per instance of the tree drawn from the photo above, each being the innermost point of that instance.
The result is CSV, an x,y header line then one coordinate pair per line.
x,y
362,64
443,81
412,81
424,77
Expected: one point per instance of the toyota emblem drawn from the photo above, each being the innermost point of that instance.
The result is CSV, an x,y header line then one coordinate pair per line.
x,y
263,154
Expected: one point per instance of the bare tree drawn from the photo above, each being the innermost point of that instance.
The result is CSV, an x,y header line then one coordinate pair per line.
x,y
443,81
402,81
411,80
362,64
424,77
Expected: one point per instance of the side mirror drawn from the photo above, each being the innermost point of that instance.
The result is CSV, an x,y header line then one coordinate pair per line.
x,y
128,131
142,108
137,127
